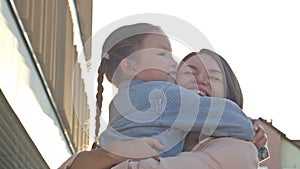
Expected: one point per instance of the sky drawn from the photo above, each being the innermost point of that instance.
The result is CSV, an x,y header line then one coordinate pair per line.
x,y
259,39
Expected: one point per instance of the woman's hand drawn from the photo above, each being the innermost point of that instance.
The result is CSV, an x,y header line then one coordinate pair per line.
x,y
117,152
136,149
260,138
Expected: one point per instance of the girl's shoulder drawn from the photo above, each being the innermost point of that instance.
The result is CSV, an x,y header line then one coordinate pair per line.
x,y
138,86
152,84
160,83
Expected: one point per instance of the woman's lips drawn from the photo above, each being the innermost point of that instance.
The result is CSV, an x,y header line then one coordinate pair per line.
x,y
202,92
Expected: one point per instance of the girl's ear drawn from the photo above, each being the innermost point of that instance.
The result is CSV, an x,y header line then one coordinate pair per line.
x,y
128,67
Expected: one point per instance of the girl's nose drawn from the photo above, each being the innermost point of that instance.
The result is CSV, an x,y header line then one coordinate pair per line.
x,y
173,63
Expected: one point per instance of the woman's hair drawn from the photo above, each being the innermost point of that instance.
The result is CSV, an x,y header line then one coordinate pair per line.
x,y
120,44
232,89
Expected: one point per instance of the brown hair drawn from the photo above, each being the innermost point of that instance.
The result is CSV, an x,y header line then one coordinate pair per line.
x,y
118,45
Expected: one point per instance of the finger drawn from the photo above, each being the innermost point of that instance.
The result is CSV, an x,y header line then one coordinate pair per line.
x,y
260,143
259,135
261,139
256,124
155,143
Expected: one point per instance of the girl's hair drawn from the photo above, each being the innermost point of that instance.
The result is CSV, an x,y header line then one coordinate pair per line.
x,y
232,89
118,45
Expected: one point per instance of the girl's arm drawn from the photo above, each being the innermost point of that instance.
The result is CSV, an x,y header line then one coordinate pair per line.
x,y
178,109
211,116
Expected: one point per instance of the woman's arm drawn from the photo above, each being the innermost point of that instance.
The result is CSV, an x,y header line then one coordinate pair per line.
x,y
116,153
225,153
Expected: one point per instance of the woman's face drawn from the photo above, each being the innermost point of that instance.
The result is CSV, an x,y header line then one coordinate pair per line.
x,y
155,61
202,73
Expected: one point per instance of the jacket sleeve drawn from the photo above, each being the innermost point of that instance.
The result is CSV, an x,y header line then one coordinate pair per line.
x,y
211,116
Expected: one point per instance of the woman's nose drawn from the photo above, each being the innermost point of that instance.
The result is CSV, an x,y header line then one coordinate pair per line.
x,y
203,79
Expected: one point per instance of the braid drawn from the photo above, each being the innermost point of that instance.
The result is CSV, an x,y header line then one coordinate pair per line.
x,y
99,99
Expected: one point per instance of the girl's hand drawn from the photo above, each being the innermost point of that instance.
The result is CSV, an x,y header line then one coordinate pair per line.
x,y
260,138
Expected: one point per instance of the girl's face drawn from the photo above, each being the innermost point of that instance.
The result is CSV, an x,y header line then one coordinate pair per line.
x,y
155,61
202,73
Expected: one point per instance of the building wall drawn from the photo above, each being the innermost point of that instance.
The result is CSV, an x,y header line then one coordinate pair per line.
x,y
274,144
25,93
38,59
290,155
49,27
297,142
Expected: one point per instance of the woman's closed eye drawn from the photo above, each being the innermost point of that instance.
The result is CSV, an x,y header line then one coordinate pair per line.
x,y
189,73
215,78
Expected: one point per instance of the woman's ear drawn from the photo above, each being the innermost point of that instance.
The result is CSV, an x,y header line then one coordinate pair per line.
x,y
128,67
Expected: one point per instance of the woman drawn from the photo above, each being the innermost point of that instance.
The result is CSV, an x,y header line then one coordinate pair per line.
x,y
209,74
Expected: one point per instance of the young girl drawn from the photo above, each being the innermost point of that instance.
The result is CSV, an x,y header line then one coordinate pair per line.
x,y
137,59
